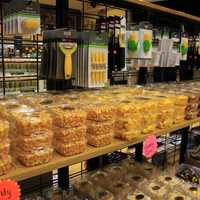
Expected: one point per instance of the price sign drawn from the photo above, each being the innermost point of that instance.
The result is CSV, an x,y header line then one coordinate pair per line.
x,y
9,190
150,146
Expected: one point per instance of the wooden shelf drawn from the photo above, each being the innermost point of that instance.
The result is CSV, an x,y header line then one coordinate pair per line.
x,y
19,172
164,9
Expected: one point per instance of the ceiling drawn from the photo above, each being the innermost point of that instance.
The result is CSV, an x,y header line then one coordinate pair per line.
x,y
188,6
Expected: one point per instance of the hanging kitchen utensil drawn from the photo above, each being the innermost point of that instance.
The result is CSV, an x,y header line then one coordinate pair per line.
x,y
68,49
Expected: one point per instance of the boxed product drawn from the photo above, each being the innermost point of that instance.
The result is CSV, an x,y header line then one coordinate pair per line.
x,y
4,149
125,109
138,195
135,179
70,134
120,190
86,189
4,129
128,135
100,128
116,171
70,148
101,178
129,124
173,195
5,165
99,140
68,117
36,141
28,120
154,189
100,112
169,181
35,157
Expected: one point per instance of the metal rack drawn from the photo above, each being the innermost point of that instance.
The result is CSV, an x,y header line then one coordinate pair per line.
x,y
18,79
61,163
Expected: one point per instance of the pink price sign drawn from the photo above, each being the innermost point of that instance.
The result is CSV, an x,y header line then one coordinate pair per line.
x,y
150,146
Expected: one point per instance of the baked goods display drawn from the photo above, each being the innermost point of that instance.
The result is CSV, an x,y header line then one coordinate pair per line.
x,y
186,95
85,189
72,120
117,182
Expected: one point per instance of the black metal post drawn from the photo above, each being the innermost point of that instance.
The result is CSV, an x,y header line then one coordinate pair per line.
x,y
184,143
37,63
2,49
63,178
139,152
62,7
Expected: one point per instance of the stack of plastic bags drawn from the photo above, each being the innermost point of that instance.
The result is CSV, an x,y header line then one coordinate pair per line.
x,y
69,129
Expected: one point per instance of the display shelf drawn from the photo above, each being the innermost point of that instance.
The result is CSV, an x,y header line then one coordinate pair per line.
x,y
152,6
19,78
14,60
20,172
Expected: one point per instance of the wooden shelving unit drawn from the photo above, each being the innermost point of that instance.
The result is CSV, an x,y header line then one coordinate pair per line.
x,y
163,9
19,172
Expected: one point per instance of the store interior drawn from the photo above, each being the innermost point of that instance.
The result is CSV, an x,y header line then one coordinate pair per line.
x,y
100,100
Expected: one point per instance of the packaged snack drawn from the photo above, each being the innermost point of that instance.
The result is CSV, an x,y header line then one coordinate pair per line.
x,y
70,134
101,178
191,115
154,190
29,120
177,196
181,100
86,189
4,150
100,128
120,190
99,140
193,191
100,112
128,135
5,166
192,107
116,171
71,148
4,129
137,195
38,140
125,109
103,195
135,179
147,170
149,129
34,158
130,166
68,117
129,124
168,181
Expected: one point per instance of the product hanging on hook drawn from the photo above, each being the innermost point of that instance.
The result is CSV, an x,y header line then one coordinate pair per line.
x,y
68,49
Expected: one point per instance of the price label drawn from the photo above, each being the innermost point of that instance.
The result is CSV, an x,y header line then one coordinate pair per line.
x,y
9,190
150,146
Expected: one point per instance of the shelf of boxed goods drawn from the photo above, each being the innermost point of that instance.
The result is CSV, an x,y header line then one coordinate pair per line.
x,y
19,172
